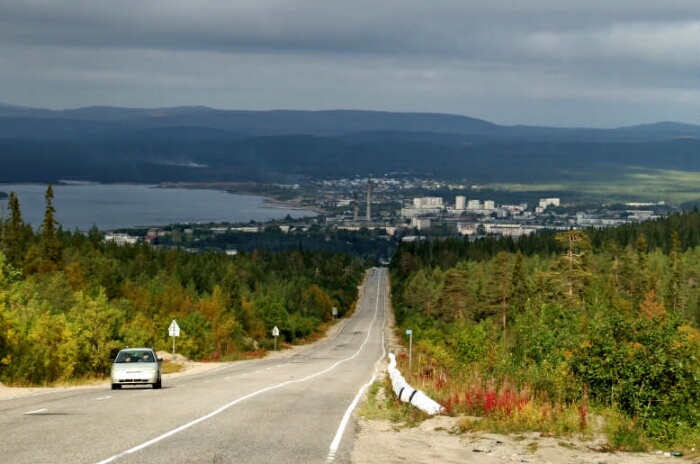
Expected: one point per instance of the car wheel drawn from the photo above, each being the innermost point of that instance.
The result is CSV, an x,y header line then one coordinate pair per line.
x,y
158,384
116,386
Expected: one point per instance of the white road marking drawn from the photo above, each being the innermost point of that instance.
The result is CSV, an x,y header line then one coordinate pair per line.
x,y
35,412
103,398
335,444
223,408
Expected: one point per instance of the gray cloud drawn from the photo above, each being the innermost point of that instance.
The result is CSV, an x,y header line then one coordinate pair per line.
x,y
577,62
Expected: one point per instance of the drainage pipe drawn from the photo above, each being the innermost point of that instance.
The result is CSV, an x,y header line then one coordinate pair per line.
x,y
408,394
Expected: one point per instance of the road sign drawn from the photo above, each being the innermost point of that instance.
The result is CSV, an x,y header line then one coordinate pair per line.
x,y
174,329
275,333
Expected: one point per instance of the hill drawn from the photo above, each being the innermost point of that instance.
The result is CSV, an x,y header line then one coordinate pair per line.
x,y
202,144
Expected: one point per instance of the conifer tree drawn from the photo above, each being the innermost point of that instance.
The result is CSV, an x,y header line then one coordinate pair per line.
x,y
455,301
520,288
51,246
574,264
675,264
13,232
641,277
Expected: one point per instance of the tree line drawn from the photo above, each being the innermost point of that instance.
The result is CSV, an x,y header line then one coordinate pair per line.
x,y
69,301
606,314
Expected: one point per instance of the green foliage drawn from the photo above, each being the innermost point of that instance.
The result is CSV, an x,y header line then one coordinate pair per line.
x,y
587,315
69,302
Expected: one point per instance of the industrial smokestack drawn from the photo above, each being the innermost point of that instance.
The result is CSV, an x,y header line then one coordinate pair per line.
x,y
369,201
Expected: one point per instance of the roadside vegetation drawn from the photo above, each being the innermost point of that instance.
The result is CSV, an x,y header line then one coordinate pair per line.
x,y
583,332
69,302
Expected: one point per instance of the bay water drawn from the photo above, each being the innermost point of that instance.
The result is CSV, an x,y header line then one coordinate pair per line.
x,y
80,205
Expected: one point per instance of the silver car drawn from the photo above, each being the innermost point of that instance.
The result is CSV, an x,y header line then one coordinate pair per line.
x,y
137,366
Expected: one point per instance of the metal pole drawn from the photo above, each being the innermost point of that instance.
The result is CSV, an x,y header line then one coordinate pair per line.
x,y
173,348
410,350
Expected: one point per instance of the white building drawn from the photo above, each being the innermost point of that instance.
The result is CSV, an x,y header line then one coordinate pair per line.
x,y
420,223
460,202
423,206
545,202
120,239
489,204
427,202
473,205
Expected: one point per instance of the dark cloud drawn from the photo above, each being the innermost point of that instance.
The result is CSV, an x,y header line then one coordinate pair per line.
x,y
509,61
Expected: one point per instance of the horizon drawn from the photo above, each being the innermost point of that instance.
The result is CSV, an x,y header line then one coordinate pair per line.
x,y
140,108
591,63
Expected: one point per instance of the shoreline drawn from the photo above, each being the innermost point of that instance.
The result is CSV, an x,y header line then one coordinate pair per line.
x,y
240,189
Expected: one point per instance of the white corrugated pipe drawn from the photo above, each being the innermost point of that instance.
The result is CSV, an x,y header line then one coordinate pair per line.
x,y
408,394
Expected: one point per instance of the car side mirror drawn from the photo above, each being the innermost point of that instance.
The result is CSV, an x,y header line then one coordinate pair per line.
x,y
160,360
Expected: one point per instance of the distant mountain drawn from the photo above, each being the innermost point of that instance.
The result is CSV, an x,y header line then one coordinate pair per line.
x,y
202,144
99,121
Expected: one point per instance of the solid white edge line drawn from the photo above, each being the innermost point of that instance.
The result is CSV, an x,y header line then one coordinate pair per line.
x,y
335,444
241,399
37,411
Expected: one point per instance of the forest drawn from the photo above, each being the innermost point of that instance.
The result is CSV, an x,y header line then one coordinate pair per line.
x,y
548,331
69,301
544,331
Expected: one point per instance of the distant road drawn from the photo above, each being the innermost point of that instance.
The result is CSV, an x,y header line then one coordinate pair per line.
x,y
291,409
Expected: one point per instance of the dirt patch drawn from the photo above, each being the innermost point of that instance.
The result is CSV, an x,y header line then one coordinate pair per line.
x,y
438,440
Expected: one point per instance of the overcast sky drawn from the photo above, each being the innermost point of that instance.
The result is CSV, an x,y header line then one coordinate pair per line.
x,y
595,63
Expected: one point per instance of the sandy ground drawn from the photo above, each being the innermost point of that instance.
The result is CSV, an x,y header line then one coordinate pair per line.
x,y
436,441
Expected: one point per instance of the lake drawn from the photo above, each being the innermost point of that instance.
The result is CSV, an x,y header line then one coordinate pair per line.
x,y
117,206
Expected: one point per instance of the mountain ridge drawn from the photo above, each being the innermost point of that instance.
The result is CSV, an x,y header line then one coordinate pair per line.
x,y
333,122
200,144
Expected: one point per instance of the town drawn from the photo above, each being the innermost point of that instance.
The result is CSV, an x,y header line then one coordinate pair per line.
x,y
402,209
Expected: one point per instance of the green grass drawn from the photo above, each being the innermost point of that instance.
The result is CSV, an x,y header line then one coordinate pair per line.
x,y
634,184
171,367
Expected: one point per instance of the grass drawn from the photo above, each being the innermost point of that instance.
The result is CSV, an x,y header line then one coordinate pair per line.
x,y
487,406
381,404
633,184
171,367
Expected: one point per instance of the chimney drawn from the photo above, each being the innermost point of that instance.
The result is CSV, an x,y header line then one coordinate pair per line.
x,y
369,201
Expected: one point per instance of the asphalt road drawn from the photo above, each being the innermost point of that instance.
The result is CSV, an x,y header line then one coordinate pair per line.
x,y
284,409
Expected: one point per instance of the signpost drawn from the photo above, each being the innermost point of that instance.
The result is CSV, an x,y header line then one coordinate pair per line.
x,y
409,332
275,333
174,331
335,312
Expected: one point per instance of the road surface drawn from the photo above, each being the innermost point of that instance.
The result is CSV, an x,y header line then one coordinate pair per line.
x,y
282,409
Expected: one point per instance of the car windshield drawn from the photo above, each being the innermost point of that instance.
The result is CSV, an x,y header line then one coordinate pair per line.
x,y
135,356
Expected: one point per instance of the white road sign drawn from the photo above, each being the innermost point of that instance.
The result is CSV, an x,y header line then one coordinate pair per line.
x,y
174,329
275,331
